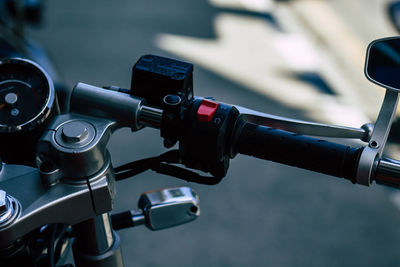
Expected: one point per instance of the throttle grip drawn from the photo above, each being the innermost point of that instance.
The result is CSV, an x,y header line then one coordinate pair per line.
x,y
298,150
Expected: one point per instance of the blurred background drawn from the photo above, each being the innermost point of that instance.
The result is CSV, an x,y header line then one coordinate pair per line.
x,y
301,58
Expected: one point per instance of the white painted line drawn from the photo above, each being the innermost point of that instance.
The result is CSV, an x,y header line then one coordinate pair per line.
x,y
245,52
297,52
251,5
345,53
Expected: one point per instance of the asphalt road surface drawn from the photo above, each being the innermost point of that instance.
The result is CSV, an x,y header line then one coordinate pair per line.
x,y
262,213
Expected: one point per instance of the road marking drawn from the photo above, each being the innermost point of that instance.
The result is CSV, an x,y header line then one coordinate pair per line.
x,y
251,53
346,52
296,51
245,51
250,5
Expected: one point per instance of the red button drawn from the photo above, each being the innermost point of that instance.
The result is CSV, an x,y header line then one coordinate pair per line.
x,y
206,110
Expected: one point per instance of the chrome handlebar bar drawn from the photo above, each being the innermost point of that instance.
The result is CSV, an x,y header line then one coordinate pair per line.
x,y
384,171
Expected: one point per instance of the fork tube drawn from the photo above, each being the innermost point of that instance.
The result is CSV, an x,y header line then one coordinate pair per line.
x,y
96,244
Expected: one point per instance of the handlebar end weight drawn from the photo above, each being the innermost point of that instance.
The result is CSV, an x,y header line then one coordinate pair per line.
x,y
154,77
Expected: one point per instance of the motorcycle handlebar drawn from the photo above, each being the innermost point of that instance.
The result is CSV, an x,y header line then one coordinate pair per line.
x,y
247,138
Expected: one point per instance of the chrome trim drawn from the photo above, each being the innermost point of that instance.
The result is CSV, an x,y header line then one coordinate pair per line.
x,y
150,116
45,111
12,212
388,172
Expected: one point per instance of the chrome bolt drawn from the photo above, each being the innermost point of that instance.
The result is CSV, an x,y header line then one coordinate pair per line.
x,y
7,207
3,202
74,132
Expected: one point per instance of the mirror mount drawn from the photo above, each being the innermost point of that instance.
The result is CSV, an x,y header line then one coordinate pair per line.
x,y
382,67
376,145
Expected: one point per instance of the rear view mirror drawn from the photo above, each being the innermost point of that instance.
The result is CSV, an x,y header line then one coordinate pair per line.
x,y
383,63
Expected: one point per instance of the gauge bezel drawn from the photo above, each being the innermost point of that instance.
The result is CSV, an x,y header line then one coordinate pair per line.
x,y
47,107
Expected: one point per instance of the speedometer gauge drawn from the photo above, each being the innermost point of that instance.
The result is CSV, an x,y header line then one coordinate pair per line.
x,y
27,95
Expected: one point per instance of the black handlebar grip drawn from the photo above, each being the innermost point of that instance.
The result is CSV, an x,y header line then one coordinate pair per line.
x,y
298,150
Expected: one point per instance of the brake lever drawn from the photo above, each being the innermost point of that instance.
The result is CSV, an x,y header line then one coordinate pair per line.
x,y
305,127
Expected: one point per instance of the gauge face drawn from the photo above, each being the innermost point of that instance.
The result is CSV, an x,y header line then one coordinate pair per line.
x,y
26,95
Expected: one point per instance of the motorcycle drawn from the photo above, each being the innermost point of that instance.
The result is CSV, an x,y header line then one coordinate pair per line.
x,y
71,191
38,241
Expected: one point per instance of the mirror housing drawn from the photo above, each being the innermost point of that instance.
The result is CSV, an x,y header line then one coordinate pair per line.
x,y
382,65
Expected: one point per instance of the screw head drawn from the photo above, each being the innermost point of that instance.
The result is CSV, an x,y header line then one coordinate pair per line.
x,y
8,207
74,132
3,201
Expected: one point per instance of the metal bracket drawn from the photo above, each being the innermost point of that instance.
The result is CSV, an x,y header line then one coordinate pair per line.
x,y
73,148
36,204
378,139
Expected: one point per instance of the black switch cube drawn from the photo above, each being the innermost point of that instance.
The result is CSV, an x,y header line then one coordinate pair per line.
x,y
154,77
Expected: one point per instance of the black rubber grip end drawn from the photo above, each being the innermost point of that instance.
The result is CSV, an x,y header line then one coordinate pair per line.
x,y
298,150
